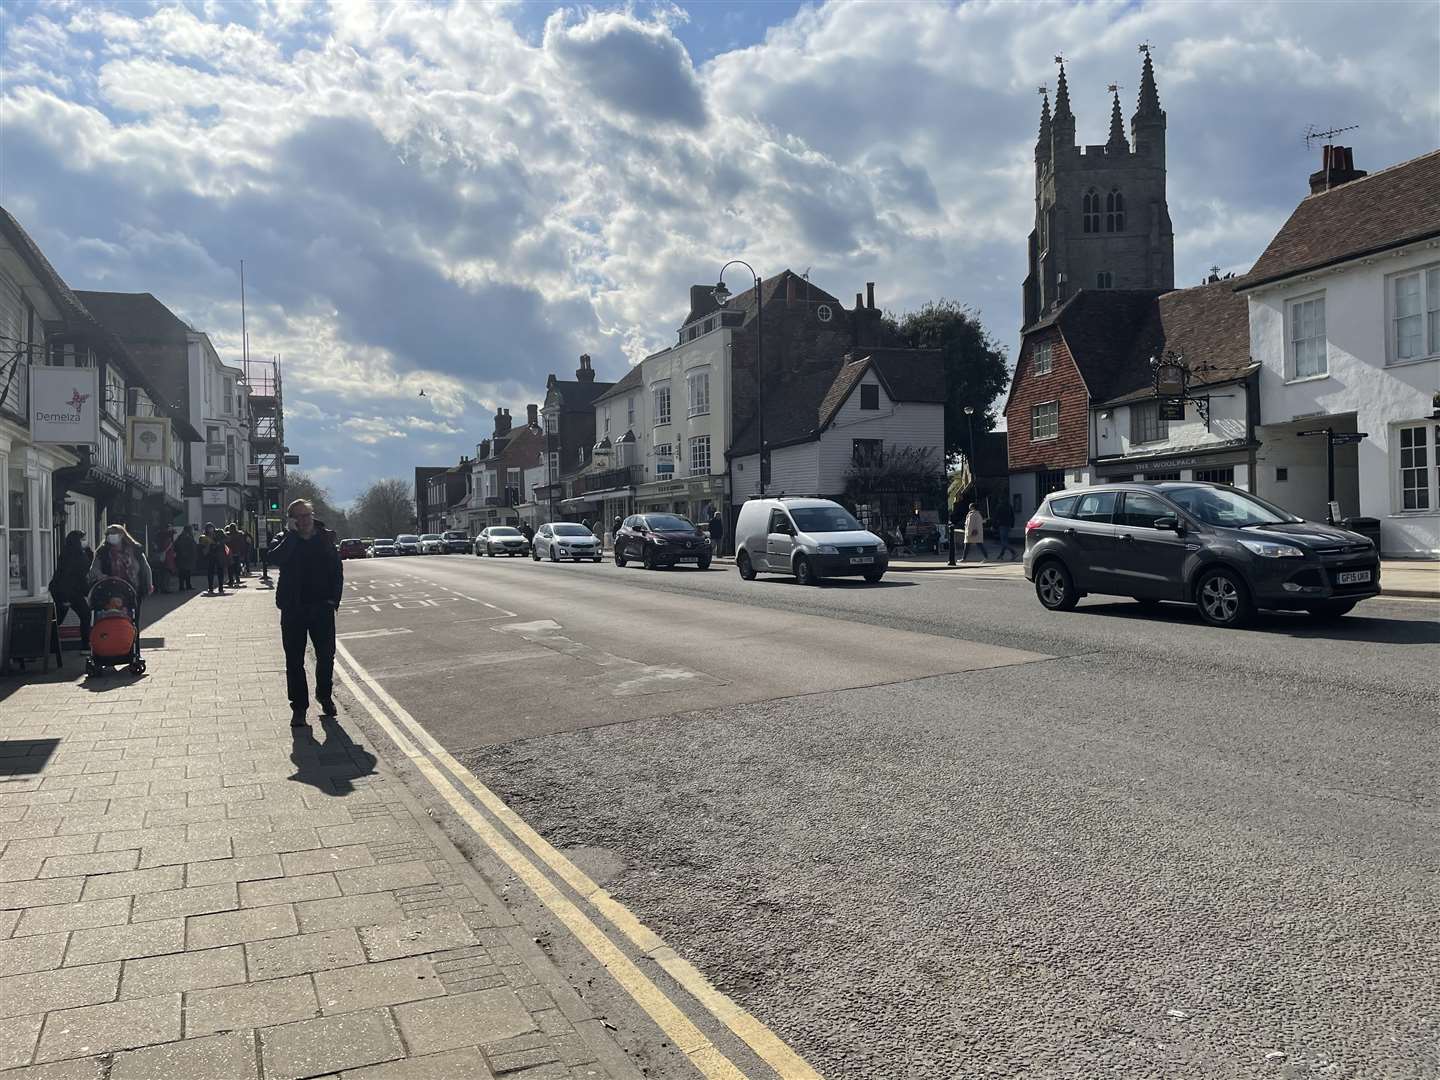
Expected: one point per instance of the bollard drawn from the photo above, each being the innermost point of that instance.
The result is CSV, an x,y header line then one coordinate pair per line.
x,y
951,531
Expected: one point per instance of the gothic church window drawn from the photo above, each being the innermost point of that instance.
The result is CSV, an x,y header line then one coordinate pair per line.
x,y
1090,211
1114,212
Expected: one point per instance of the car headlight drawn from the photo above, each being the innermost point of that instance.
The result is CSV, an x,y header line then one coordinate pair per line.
x,y
1272,551
880,548
828,549
659,541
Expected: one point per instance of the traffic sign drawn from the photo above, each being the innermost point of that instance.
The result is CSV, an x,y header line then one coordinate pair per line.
x,y
1349,437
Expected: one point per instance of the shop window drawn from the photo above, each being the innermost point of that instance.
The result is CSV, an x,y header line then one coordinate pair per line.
x,y
20,550
1216,476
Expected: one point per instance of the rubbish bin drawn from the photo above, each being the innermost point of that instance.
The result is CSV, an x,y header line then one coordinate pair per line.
x,y
1365,526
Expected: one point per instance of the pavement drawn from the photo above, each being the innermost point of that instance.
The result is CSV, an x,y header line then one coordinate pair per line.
x,y
190,892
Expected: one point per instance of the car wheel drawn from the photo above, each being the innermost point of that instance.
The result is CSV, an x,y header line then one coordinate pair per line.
x,y
597,558
649,559
554,555
804,572
874,576
1054,587
1325,612
742,564
619,558
535,554
703,564
1223,599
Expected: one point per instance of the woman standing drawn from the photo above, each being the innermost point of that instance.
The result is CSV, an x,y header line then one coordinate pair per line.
x,y
975,534
69,586
122,558
185,557
215,557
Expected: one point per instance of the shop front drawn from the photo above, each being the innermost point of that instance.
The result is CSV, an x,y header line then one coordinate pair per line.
x,y
28,523
695,497
1227,463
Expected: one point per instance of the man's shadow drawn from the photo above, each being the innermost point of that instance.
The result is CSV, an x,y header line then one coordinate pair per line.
x,y
331,766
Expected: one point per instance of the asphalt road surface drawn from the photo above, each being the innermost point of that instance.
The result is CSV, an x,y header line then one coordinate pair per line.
x,y
928,829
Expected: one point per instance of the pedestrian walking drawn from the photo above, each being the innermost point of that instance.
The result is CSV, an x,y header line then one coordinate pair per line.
x,y
717,532
312,580
975,534
213,555
70,584
185,552
232,558
1004,520
121,557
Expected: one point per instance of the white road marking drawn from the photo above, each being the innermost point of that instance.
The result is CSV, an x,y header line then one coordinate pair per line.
x,y
372,633
703,1054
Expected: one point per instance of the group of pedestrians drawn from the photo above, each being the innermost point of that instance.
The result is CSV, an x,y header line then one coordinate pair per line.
x,y
78,569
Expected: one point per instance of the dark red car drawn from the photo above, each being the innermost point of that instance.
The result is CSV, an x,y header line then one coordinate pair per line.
x,y
354,549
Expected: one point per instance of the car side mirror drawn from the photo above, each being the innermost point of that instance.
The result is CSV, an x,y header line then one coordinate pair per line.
x,y
1170,523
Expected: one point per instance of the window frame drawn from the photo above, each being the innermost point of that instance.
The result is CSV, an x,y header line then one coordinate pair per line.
x,y
697,443
1042,358
870,392
866,450
1140,423
1429,468
1114,211
1104,279
697,405
661,417
1428,315
1035,417
1292,366
1122,509
1090,212
1206,476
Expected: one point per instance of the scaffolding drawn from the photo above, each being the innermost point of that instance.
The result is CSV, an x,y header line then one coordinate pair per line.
x,y
267,442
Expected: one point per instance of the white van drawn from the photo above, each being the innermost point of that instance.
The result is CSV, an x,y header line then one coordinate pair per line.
x,y
810,538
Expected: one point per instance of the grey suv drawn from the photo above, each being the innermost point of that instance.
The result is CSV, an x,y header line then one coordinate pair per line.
x,y
1219,548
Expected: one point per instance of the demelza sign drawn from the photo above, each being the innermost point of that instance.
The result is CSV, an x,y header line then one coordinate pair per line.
x,y
64,405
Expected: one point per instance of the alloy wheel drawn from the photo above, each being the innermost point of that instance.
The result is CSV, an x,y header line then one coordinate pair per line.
x,y
1052,586
1220,599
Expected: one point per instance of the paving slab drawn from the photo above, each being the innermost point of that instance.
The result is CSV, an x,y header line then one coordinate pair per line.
x,y
187,891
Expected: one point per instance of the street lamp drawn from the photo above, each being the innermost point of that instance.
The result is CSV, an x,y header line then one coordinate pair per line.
x,y
722,295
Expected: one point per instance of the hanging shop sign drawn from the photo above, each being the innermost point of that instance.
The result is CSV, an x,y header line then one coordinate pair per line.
x,y
147,440
64,405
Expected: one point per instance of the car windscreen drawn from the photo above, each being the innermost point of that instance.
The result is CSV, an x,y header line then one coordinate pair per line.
x,y
352,541
572,530
824,519
379,543
503,530
457,536
408,538
1227,509
669,523
431,536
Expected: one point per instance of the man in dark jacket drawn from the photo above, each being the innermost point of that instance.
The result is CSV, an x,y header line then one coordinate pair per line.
x,y
717,532
312,579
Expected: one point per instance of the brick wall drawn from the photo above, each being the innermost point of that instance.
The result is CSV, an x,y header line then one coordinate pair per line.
x,y
1071,447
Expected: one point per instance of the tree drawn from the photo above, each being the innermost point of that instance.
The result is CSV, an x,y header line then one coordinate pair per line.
x,y
385,508
301,485
893,482
975,371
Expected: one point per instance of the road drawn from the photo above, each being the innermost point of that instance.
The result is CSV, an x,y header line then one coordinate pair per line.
x,y
927,829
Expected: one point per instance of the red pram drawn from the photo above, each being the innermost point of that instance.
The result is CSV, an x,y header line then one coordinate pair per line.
x,y
115,635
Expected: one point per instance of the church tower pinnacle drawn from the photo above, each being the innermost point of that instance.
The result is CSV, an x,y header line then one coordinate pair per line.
x,y
1147,126
1062,128
1042,144
1117,143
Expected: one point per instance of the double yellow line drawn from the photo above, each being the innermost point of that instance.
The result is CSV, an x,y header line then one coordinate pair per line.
x,y
429,756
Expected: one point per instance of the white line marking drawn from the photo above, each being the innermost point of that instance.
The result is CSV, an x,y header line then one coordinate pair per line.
x,y
373,633
703,1054
769,1046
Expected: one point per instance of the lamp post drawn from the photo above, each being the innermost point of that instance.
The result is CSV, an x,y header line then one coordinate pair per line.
x,y
722,295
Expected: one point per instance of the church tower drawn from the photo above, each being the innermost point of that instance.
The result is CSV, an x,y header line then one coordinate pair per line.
x,y
1101,219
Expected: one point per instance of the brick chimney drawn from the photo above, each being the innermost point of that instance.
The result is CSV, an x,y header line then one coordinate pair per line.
x,y
1337,166
532,415
483,450
870,296
702,300
584,372
502,423
790,290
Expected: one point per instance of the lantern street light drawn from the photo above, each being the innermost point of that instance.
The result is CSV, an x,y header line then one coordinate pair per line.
x,y
722,295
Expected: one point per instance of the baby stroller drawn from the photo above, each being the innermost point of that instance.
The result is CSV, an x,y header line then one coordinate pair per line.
x,y
115,635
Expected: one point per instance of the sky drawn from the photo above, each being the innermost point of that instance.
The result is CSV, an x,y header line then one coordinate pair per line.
x,y
462,198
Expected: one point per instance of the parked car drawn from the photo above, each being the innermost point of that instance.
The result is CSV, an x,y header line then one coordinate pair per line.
x,y
1217,547
382,548
662,540
408,544
810,538
457,542
501,540
432,544
565,540
354,548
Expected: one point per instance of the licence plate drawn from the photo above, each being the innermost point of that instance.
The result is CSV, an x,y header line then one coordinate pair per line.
x,y
858,559
1352,577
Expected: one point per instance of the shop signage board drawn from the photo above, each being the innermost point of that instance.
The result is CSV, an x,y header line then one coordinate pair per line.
x,y
64,405
147,440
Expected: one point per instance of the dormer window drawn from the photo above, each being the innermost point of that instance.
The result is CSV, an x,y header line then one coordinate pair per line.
x,y
1114,212
869,396
1090,211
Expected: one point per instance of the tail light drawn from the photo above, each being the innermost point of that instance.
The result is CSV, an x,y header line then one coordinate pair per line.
x,y
1034,523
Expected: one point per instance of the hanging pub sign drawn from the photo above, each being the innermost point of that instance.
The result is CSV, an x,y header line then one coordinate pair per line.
x,y
1172,408
147,440
64,405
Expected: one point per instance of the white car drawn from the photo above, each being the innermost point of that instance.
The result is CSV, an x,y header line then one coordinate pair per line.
x,y
432,544
810,538
501,540
565,540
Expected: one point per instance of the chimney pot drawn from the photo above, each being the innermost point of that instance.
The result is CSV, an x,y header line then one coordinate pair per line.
x,y
859,301
584,373
870,295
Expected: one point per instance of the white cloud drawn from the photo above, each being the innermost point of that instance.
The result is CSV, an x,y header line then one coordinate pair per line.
x,y
460,200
